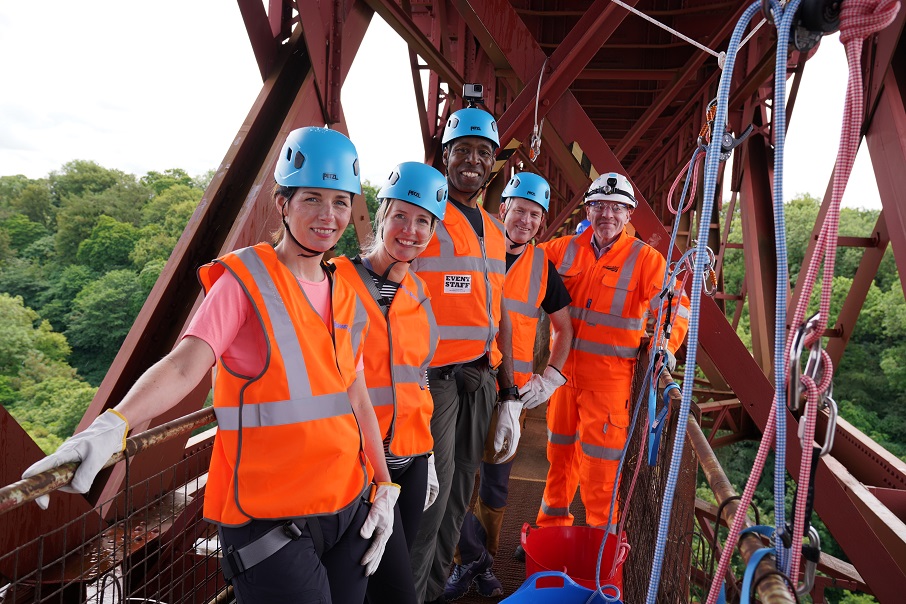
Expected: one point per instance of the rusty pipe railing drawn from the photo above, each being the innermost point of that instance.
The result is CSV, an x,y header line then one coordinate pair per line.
x,y
773,588
28,489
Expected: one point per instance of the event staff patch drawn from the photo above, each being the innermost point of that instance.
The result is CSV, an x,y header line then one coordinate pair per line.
x,y
457,284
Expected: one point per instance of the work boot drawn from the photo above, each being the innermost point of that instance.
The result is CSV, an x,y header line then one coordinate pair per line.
x,y
519,553
463,575
488,585
491,520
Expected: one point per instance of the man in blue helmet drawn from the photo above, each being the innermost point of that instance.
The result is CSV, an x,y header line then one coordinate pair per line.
x,y
464,267
532,284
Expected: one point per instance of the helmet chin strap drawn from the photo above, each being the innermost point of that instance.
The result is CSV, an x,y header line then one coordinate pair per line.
x,y
481,188
311,253
514,244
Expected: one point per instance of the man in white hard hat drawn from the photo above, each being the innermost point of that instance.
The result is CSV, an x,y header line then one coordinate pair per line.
x,y
615,282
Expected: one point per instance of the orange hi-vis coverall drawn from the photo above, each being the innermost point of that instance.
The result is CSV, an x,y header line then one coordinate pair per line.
x,y
587,419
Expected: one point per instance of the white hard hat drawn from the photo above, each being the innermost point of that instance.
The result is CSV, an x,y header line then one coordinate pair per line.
x,y
611,187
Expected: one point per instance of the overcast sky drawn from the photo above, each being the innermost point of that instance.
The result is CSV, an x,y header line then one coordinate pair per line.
x,y
142,86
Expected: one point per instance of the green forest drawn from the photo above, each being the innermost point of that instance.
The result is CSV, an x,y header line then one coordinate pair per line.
x,y
81,249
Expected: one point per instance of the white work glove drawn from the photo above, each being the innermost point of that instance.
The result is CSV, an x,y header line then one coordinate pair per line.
x,y
433,485
506,438
92,447
671,361
379,524
539,388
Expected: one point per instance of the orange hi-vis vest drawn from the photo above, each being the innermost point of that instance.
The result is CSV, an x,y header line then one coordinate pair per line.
x,y
523,292
465,275
612,298
288,444
400,347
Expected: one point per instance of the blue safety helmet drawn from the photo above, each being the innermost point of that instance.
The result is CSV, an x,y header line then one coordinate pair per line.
x,y
319,158
580,228
529,186
471,122
418,184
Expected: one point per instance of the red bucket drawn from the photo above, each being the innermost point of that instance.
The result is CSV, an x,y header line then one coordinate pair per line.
x,y
573,550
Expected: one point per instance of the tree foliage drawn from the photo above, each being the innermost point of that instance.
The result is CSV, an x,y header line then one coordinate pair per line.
x,y
349,243
109,246
870,383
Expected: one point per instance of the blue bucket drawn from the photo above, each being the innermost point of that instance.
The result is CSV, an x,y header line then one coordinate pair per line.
x,y
552,587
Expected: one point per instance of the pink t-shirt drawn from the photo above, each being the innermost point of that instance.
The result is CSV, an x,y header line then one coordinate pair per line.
x,y
227,322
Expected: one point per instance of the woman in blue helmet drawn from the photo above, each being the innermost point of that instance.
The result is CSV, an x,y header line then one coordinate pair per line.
x,y
401,340
298,446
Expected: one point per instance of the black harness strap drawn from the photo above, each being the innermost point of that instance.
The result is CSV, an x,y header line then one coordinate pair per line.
x,y
236,561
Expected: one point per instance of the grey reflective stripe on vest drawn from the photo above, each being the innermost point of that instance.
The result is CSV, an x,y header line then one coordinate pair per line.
x,y
465,264
402,374
447,260
522,366
301,405
600,452
458,332
359,321
622,352
569,256
382,395
561,439
522,308
281,413
284,331
546,509
618,304
433,335
408,374
593,317
528,308
447,249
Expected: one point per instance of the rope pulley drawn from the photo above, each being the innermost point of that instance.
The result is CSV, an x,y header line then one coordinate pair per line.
x,y
813,20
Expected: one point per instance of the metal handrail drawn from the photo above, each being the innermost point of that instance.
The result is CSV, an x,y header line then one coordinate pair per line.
x,y
28,489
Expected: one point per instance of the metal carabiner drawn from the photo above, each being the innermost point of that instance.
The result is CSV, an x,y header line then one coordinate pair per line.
x,y
794,387
812,554
831,405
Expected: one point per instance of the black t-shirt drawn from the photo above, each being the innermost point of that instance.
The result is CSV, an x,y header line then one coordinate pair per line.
x,y
474,216
556,296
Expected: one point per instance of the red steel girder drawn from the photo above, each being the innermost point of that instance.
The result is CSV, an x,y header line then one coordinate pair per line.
x,y
236,210
418,42
886,138
261,34
566,63
689,72
756,208
855,298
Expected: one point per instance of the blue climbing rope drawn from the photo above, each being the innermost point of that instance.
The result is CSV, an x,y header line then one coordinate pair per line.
x,y
778,129
712,163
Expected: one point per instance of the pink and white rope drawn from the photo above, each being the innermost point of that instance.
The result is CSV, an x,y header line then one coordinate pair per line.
x,y
859,19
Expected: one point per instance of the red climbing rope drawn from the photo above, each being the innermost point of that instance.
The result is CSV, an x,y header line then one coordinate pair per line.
x,y
859,19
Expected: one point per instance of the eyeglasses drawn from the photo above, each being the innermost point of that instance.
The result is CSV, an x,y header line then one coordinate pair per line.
x,y
616,208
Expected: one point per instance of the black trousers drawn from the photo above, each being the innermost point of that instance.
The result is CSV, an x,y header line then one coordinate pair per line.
x,y
295,573
393,582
